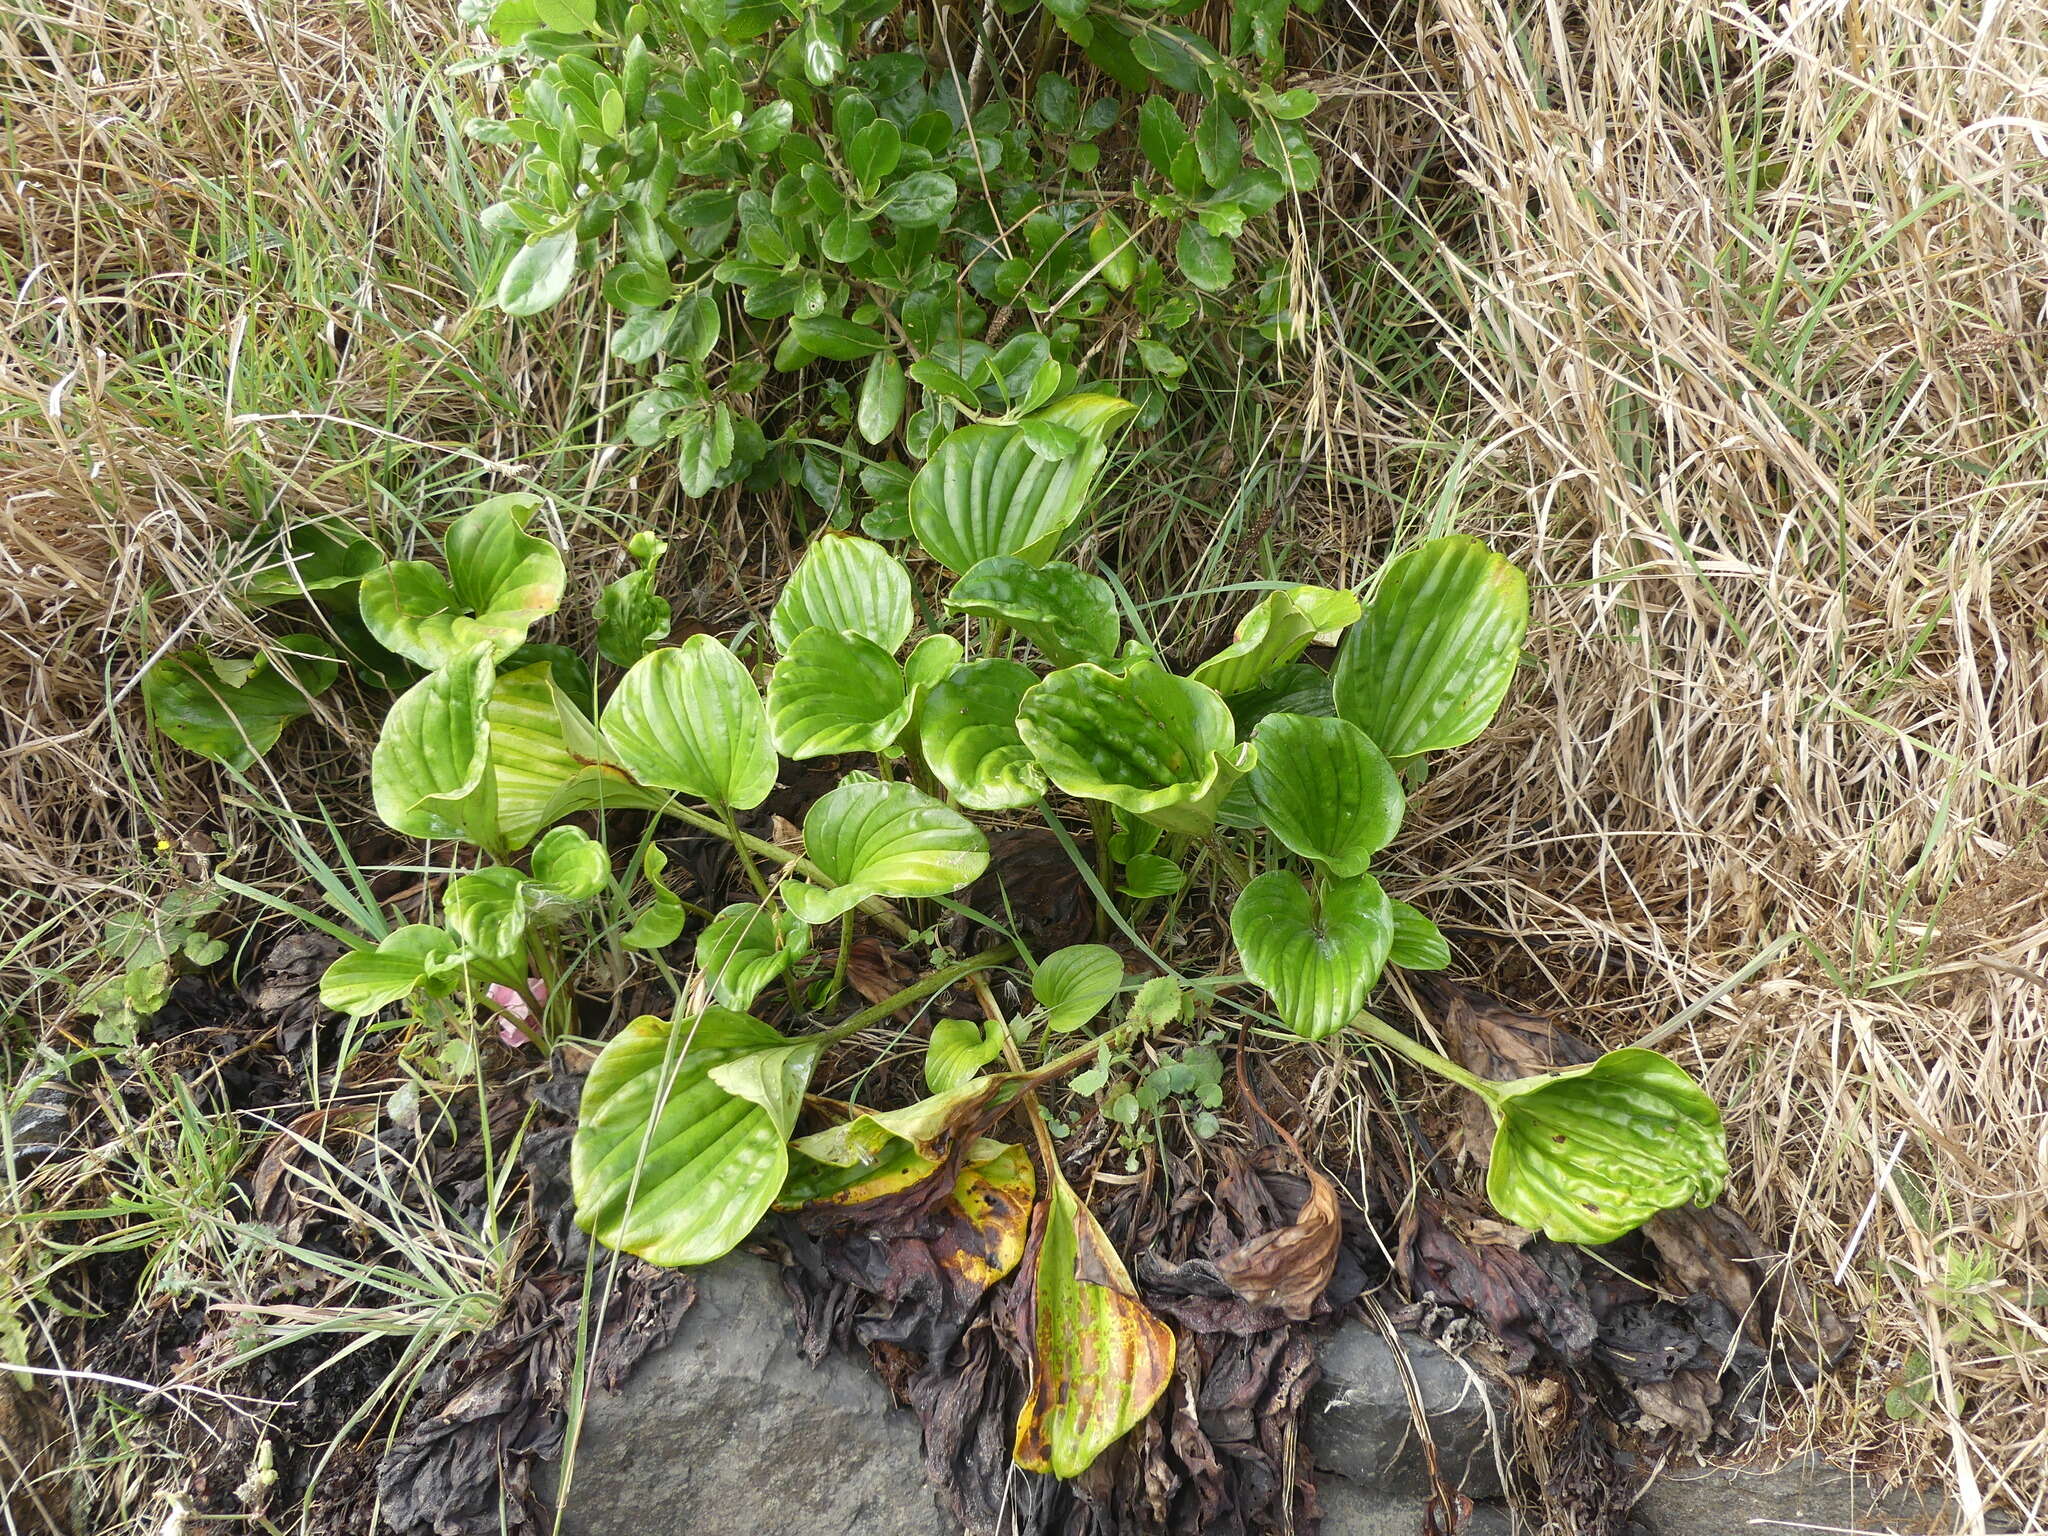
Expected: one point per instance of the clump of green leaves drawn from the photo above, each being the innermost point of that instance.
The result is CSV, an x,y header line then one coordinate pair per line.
x,y
813,231
1020,683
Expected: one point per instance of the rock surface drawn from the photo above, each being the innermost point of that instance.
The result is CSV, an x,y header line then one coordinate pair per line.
x,y
1351,1510
1360,1427
729,1432
1805,1492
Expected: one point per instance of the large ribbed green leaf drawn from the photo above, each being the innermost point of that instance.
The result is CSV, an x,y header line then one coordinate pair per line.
x,y
968,734
500,582
834,692
874,839
1159,746
683,1138
234,711
1428,665
1588,1154
1325,791
1317,958
689,718
1099,1358
429,772
846,583
746,946
548,761
988,491
1068,614
1274,633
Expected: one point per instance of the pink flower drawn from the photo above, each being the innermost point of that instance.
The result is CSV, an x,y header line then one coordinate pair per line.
x,y
509,1002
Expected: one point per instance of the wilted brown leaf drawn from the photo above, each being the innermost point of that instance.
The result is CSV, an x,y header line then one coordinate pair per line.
x,y
1290,1267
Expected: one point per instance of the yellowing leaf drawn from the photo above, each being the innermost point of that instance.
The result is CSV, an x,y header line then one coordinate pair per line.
x,y
1099,1358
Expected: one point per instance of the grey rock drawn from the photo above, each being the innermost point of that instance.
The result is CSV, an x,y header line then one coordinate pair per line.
x,y
40,1126
1359,1425
1352,1510
1806,1491
727,1431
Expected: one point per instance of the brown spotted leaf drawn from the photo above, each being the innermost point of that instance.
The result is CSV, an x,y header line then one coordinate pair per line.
x,y
1099,1358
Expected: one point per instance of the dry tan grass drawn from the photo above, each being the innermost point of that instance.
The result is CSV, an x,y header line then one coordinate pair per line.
x,y
1747,313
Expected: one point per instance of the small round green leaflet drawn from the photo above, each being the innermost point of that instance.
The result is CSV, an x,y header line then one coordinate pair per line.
x,y
1274,633
404,961
1325,791
689,718
968,732
683,1140
1068,614
746,946
1586,1155
849,584
429,772
1430,661
233,712
570,865
500,582
1075,984
987,491
1159,746
1317,957
1417,944
874,839
836,692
